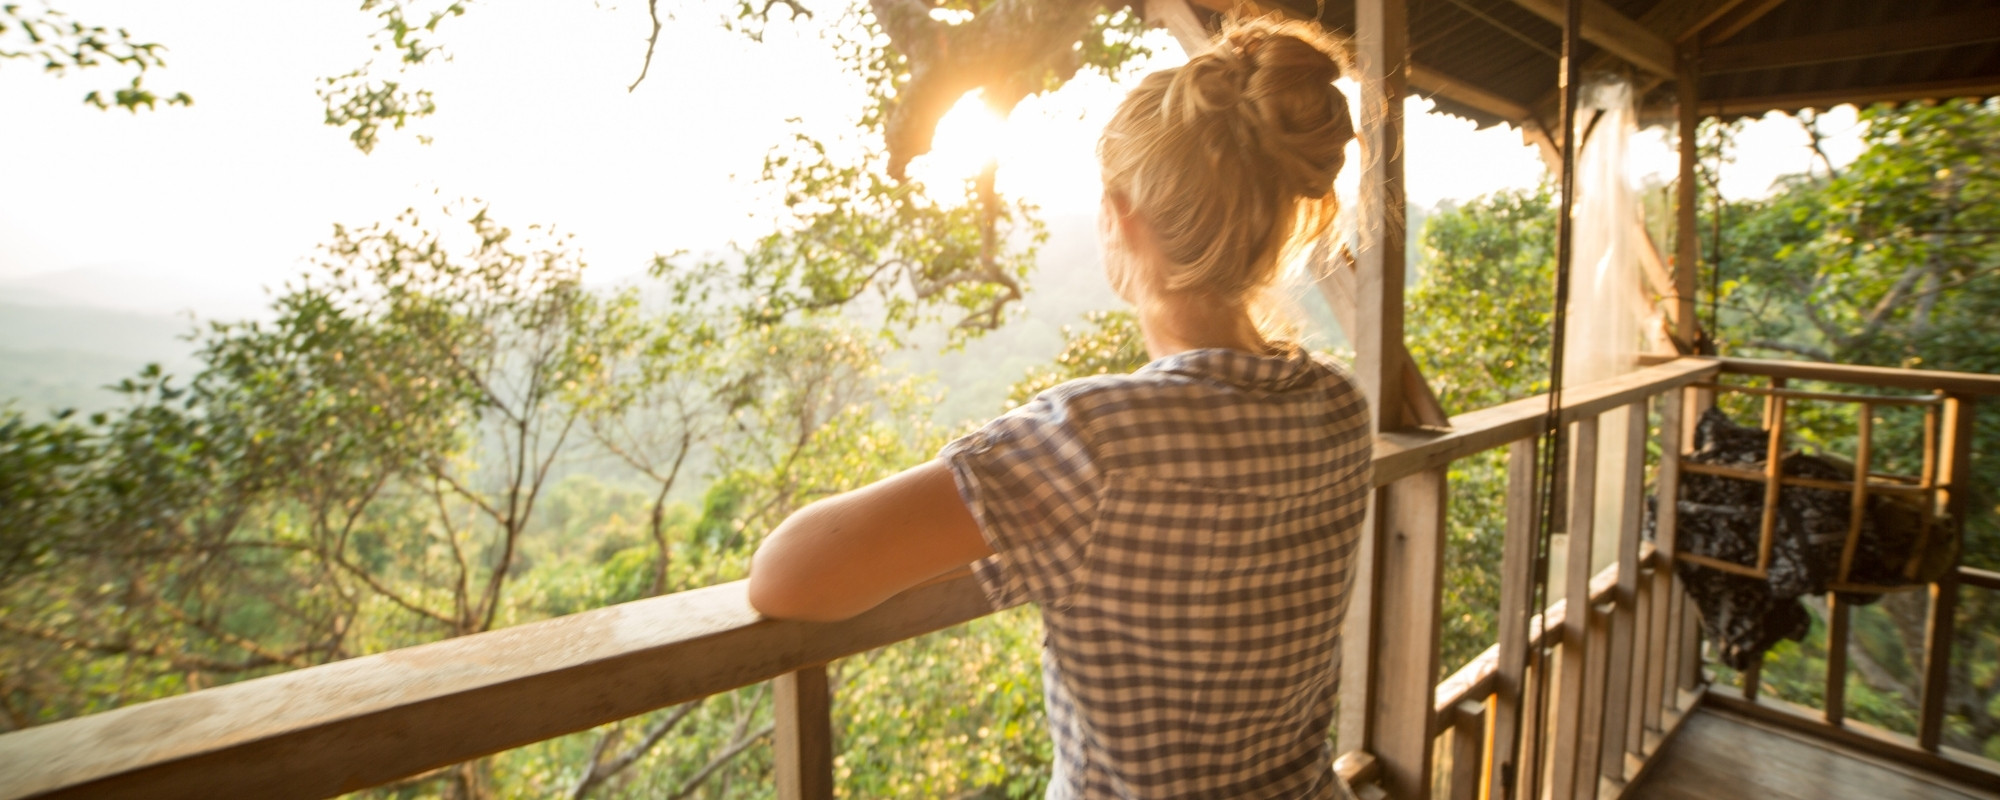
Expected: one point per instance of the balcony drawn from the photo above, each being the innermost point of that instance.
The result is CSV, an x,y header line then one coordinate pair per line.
x,y
1627,696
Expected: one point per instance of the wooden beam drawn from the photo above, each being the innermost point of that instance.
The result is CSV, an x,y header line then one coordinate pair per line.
x,y
1676,22
1720,29
1179,19
1923,380
1409,573
1977,86
336,728
1382,40
1687,228
1619,34
1403,453
1682,21
1337,281
1911,36
1432,83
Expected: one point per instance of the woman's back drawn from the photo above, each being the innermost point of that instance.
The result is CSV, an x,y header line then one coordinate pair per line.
x,y
1187,531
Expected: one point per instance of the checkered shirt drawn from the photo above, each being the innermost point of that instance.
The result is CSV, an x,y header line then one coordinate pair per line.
x,y
1187,531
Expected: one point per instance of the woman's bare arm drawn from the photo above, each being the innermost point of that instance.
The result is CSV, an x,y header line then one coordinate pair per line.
x,y
846,554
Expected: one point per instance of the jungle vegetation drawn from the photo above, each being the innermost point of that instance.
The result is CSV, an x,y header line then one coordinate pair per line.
x,y
439,431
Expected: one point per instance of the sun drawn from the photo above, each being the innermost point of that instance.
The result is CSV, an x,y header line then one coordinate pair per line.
x,y
969,136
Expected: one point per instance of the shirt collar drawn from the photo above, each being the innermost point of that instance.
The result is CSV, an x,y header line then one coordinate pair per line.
x,y
1284,369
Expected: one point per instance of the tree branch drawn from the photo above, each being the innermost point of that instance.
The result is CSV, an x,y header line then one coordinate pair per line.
x,y
601,771
652,41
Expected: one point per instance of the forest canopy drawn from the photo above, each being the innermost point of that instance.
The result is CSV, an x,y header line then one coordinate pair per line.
x,y
439,430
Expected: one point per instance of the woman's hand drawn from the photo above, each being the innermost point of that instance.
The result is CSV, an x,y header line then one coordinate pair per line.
x,y
846,554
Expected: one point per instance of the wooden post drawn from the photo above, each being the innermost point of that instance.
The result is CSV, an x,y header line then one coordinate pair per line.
x,y
1534,717
1410,516
1468,750
1687,249
1774,476
1662,691
1381,32
1567,717
1836,659
1689,667
803,732
1380,673
1592,730
1517,573
1645,701
1631,514
1955,474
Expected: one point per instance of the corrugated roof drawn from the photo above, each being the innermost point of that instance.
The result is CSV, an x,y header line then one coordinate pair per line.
x,y
1503,50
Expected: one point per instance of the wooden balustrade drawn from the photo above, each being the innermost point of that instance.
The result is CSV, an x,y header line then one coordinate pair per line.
x,y
1620,666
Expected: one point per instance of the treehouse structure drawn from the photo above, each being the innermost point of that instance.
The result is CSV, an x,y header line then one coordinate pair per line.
x,y
1601,694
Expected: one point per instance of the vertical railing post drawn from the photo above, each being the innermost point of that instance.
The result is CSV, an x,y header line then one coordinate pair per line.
x,y
1468,750
1409,568
1567,718
1643,701
803,731
1631,514
1836,659
1592,732
1517,575
1955,475
1662,678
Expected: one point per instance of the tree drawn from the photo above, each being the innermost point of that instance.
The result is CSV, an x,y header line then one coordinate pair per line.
x,y
1890,261
64,44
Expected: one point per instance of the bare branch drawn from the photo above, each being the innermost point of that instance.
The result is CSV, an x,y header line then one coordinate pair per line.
x,y
652,41
728,754
600,772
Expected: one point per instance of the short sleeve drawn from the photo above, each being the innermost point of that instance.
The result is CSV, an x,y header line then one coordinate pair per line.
x,y
1030,480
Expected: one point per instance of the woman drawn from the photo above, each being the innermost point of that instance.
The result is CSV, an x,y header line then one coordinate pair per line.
x,y
1186,529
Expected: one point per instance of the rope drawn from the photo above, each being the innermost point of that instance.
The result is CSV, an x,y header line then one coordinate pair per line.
x,y
1548,457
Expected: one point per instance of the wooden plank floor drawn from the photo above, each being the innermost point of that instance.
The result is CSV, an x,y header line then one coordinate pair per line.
x,y
1718,755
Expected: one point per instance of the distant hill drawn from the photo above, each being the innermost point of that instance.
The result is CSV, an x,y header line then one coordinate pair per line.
x,y
125,288
56,356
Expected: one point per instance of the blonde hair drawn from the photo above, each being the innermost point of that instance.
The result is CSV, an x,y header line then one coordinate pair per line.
x,y
1231,158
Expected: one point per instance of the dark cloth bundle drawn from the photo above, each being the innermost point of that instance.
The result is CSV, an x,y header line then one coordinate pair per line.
x,y
1722,517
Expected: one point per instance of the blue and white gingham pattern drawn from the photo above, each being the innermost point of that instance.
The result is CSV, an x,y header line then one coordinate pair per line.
x,y
1187,531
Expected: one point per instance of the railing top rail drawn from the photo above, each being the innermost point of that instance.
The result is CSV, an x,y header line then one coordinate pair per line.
x,y
339,727
1399,455
1919,379
336,728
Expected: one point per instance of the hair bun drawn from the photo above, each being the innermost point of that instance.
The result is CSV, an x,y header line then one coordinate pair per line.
x,y
1231,158
1277,81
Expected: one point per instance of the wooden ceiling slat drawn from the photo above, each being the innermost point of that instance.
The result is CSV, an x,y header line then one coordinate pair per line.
x,y
1974,27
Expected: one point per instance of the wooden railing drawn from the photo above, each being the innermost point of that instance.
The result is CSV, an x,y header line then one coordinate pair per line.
x,y
1942,484
1623,672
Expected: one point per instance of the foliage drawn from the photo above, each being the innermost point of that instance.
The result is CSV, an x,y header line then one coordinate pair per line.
x,y
1890,261
1478,323
847,229
362,99
63,43
1111,345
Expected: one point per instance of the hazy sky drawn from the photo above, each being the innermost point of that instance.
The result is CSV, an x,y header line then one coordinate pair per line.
x,y
533,117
